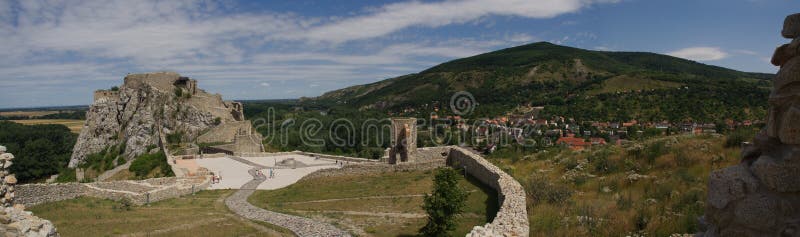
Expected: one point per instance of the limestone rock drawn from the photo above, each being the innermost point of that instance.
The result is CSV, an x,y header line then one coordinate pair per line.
x,y
2,149
6,156
146,108
10,179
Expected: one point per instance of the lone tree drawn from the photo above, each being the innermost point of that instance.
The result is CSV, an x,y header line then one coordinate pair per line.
x,y
442,206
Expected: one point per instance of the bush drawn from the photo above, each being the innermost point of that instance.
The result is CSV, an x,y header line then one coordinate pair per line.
x,y
124,204
539,189
655,150
174,138
178,92
738,136
66,175
145,164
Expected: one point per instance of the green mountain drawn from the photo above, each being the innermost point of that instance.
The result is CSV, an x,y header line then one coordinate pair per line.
x,y
584,84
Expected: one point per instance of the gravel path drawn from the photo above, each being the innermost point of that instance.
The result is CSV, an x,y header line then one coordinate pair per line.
x,y
299,225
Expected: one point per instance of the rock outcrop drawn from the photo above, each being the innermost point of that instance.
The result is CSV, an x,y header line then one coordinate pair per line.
x,y
147,108
761,195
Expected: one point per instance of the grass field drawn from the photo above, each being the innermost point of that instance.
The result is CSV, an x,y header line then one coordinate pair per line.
x,y
74,125
375,205
203,214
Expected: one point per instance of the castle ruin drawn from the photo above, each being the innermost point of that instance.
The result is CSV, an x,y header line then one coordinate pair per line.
x,y
404,140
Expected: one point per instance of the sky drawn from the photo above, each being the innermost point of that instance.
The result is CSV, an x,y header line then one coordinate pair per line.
x,y
58,52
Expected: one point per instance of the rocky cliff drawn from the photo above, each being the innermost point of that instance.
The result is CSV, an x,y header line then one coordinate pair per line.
x,y
146,108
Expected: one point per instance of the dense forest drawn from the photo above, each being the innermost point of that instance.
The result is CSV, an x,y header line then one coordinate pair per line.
x,y
40,150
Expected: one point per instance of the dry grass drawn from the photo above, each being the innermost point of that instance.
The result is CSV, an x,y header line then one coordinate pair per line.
x,y
74,125
372,205
203,214
609,204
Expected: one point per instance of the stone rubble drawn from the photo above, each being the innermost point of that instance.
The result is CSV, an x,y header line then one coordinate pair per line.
x,y
14,220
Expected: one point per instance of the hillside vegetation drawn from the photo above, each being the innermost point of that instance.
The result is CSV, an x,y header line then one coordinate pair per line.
x,y
583,84
651,188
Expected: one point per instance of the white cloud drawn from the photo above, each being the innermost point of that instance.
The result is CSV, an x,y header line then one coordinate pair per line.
x,y
746,52
700,53
87,43
602,48
398,16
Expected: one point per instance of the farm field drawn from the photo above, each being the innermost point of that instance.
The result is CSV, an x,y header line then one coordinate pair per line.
x,y
74,125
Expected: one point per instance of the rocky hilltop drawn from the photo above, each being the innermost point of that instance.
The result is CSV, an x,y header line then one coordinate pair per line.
x,y
147,108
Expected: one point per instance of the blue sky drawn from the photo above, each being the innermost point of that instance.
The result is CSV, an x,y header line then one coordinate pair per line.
x,y
57,53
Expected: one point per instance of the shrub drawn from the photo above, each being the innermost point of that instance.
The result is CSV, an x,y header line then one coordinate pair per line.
x,y
570,163
654,150
738,136
145,164
178,92
539,189
174,138
124,204
442,206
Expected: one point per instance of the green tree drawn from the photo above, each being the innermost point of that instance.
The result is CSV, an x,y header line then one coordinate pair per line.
x,y
442,206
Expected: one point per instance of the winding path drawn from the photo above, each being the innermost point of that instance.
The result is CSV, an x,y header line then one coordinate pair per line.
x,y
301,226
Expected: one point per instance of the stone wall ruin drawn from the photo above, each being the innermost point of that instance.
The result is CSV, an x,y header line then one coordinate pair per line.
x,y
761,195
14,220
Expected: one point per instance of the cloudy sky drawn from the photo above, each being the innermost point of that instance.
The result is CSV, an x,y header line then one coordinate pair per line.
x,y
57,53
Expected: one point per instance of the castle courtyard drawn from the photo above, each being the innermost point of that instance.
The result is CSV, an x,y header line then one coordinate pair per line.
x,y
286,169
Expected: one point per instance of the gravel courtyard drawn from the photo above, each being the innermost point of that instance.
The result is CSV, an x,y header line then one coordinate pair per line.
x,y
287,169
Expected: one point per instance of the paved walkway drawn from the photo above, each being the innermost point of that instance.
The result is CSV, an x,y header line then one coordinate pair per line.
x,y
299,225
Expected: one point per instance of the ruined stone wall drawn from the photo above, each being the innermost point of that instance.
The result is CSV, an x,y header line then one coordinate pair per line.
x,y
14,220
404,140
376,168
320,155
106,95
138,192
761,195
432,153
512,218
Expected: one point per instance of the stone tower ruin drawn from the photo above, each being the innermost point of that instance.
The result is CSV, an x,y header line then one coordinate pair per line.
x,y
761,195
404,140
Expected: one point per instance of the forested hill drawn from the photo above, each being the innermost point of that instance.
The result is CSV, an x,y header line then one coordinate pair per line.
x,y
584,84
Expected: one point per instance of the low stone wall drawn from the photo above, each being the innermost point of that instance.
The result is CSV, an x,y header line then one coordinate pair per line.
x,y
138,192
512,218
375,168
432,153
320,155
34,194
